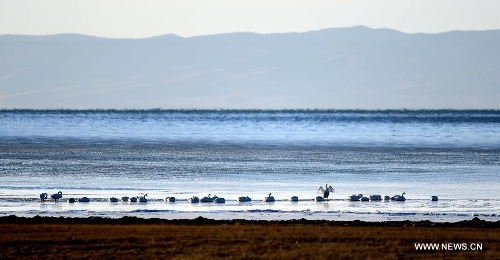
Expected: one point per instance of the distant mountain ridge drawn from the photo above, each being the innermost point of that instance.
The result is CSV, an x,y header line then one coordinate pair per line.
x,y
346,68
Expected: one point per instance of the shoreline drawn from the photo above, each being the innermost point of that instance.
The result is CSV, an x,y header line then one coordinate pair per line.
x,y
472,223
201,238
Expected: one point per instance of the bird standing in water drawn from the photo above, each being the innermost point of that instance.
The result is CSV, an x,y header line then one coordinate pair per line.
x,y
326,191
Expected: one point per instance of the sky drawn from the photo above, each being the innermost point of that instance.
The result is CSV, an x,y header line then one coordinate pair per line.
x,y
147,18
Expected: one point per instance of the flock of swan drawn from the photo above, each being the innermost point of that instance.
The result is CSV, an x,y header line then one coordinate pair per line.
x,y
325,192
57,196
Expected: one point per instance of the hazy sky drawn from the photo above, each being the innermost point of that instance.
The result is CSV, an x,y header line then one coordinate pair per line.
x,y
146,18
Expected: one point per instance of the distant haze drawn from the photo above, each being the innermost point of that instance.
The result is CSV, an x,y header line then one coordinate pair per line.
x,y
346,68
141,19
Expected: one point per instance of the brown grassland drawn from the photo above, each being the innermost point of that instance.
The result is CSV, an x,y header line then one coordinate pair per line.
x,y
51,238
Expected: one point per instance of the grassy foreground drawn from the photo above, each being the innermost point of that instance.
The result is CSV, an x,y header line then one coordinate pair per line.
x,y
113,239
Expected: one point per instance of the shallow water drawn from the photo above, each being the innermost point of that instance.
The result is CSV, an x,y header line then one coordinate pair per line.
x,y
100,154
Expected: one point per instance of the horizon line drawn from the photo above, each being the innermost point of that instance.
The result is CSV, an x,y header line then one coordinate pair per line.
x,y
242,110
245,32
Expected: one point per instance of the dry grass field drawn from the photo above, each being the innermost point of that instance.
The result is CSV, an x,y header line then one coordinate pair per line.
x,y
108,239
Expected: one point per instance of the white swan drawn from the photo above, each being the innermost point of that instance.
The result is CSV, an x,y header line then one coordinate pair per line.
x,y
113,199
434,198
244,199
207,199
170,199
219,200
143,199
84,199
399,197
375,197
355,197
194,199
43,197
269,198
56,196
294,199
319,199
326,191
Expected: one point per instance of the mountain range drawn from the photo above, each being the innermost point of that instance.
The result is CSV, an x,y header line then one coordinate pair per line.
x,y
342,68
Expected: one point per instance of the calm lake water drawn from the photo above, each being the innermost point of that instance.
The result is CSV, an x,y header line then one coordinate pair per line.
x,y
99,154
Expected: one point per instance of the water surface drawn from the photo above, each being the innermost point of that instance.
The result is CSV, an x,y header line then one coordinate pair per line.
x,y
104,153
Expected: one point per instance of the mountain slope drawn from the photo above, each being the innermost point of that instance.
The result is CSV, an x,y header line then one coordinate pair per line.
x,y
335,68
